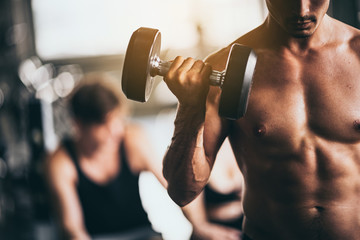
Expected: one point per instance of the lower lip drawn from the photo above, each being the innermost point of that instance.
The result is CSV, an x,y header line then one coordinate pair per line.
x,y
303,25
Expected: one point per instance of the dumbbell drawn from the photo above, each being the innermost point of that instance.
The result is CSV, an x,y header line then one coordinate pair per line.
x,y
142,63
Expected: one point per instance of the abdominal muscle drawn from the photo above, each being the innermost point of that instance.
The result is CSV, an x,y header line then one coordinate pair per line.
x,y
312,195
299,222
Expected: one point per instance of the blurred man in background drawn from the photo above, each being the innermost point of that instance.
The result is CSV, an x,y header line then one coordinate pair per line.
x,y
93,176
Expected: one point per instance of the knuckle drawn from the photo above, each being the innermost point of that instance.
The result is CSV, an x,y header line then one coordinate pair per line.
x,y
199,62
193,75
169,75
189,60
181,75
174,67
207,66
179,59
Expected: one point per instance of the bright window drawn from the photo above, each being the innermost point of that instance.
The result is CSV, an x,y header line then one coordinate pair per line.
x,y
79,28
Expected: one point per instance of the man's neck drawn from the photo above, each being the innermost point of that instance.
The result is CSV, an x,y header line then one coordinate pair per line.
x,y
92,150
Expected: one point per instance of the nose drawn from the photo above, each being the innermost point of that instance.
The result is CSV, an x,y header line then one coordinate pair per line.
x,y
302,7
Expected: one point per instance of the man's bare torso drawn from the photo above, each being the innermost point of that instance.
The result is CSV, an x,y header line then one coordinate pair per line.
x,y
299,143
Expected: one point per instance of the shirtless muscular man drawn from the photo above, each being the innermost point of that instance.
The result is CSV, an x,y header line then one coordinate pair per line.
x,y
298,146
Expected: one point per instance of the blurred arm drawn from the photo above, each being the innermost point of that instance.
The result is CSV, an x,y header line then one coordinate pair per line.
x,y
62,177
203,229
141,152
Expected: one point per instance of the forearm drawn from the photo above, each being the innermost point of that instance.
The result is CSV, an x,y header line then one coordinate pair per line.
x,y
75,235
71,228
186,167
195,211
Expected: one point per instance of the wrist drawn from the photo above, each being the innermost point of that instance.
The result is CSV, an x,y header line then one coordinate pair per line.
x,y
191,111
190,118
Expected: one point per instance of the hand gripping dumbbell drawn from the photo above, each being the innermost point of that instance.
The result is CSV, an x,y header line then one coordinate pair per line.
x,y
142,64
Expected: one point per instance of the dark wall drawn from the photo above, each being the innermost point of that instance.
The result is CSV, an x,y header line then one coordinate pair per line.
x,y
16,44
346,11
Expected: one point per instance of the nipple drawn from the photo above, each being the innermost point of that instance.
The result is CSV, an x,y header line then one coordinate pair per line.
x,y
357,125
319,209
259,131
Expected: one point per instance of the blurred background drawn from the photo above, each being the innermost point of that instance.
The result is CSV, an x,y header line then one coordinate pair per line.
x,y
47,45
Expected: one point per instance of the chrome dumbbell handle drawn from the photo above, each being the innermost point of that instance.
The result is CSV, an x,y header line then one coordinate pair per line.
x,y
160,67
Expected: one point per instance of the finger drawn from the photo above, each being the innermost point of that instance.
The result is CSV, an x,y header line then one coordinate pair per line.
x,y
187,65
206,70
227,236
175,64
229,233
197,66
194,72
234,235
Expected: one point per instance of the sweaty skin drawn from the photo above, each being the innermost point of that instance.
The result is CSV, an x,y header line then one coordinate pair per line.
x,y
298,145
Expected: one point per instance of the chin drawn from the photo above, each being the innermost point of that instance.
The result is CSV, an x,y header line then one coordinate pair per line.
x,y
302,34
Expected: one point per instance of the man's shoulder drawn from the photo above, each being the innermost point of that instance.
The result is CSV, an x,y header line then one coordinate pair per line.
x,y
354,40
218,59
60,162
346,34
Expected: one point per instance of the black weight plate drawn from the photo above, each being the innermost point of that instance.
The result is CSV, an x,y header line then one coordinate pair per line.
x,y
144,45
237,82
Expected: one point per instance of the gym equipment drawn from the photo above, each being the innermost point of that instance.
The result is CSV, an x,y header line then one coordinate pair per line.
x,y
142,64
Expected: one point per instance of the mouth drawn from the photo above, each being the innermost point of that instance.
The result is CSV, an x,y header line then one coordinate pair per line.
x,y
302,23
